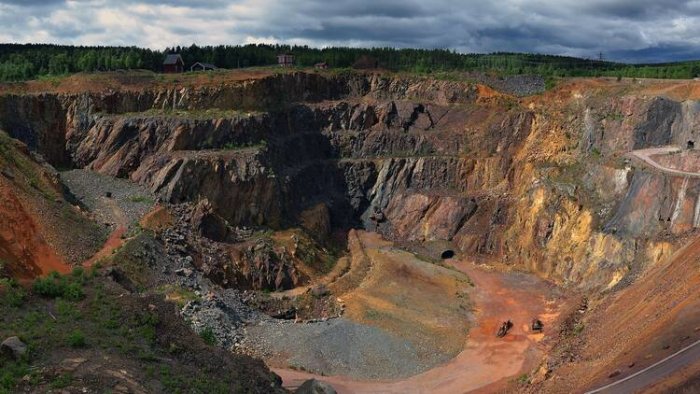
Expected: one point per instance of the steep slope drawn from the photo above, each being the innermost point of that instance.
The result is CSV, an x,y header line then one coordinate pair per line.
x,y
633,328
34,215
540,183
546,184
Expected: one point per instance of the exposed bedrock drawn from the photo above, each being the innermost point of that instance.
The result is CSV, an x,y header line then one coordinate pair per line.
x,y
545,185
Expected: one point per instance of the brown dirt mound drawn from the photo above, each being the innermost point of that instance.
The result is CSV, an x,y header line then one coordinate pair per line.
x,y
422,302
158,219
487,363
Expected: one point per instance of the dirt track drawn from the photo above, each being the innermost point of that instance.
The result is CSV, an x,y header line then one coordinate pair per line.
x,y
486,360
645,155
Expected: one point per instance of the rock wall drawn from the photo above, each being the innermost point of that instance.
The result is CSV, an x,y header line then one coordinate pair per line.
x,y
541,184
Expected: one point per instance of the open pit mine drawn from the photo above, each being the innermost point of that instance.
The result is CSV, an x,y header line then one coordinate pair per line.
x,y
350,232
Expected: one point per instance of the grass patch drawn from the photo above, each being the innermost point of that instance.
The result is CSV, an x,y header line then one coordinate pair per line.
x,y
61,381
136,332
178,295
10,373
56,285
238,146
14,159
208,336
207,114
524,379
371,314
11,294
76,339
53,79
141,199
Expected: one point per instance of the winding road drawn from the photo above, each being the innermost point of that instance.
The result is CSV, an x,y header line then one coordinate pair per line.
x,y
645,155
115,239
654,373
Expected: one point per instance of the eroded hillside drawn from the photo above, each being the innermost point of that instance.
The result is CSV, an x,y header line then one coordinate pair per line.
x,y
542,184
261,177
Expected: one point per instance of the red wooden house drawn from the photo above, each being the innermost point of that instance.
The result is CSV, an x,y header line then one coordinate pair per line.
x,y
173,64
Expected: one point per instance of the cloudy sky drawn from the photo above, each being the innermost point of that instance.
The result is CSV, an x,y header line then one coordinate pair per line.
x,y
626,30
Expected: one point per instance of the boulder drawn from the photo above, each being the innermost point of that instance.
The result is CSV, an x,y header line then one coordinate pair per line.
x,y
13,347
317,220
209,224
120,277
313,386
7,173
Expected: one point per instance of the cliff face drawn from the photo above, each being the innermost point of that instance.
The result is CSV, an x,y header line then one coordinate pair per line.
x,y
541,183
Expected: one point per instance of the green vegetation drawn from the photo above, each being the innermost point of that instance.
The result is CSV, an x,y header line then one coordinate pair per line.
x,y
10,373
128,330
11,294
141,199
58,286
61,381
524,379
371,314
208,336
11,156
28,61
204,114
237,146
178,295
76,339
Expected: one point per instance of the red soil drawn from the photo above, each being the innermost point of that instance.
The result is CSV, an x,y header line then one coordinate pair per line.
x,y
653,318
114,241
157,220
134,81
23,249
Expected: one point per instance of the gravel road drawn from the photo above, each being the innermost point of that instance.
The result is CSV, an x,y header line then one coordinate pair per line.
x,y
128,203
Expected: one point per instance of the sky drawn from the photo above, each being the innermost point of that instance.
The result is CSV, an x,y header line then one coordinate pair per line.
x,y
622,30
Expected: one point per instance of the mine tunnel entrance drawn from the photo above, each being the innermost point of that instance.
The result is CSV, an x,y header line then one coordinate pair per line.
x,y
447,254
690,145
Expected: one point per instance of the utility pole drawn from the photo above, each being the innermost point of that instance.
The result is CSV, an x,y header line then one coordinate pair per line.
x,y
600,56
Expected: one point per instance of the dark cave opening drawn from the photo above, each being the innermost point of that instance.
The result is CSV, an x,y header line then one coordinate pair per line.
x,y
447,254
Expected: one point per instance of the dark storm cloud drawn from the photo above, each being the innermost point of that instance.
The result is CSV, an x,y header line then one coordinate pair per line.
x,y
659,53
634,10
30,3
211,4
630,30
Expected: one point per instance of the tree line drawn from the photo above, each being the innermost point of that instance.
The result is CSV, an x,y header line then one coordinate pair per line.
x,y
28,61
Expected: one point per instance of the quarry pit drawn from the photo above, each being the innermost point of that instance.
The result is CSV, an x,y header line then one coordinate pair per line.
x,y
373,230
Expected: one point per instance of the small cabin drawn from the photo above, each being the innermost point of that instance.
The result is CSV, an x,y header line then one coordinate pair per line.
x,y
321,66
173,63
285,60
199,66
